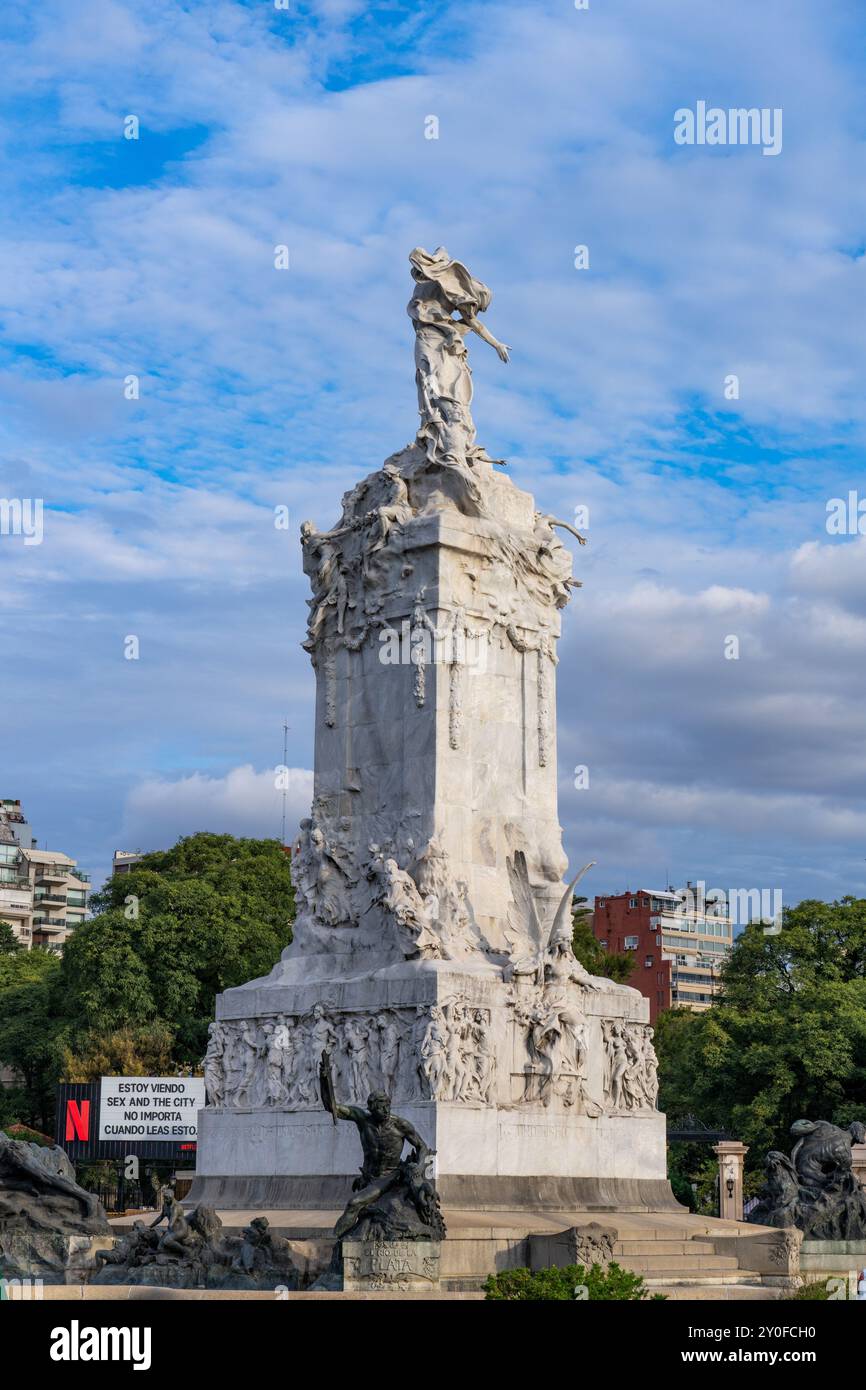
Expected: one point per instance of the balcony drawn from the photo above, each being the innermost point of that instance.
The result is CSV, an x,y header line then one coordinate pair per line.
x,y
50,924
51,899
52,873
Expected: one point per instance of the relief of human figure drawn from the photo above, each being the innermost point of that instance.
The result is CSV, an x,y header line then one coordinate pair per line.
x,y
315,1037
318,876
616,1064
234,1056
389,1050
443,288
650,1070
355,1041
447,899
213,1064
414,1076
543,1038
276,1043
634,1080
396,892
483,1055
552,559
321,561
434,1052
380,522
249,1050
293,1054
457,1060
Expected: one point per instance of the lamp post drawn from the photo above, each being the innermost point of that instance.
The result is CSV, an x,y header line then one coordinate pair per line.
x,y
731,1155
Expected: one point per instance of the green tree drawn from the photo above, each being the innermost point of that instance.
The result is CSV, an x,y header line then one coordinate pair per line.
x,y
9,942
134,990
184,925
30,1035
145,1050
592,955
786,1038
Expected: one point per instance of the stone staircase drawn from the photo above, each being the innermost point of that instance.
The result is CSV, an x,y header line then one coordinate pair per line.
x,y
689,1269
678,1254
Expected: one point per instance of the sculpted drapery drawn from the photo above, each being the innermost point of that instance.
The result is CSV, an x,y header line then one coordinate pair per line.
x,y
443,288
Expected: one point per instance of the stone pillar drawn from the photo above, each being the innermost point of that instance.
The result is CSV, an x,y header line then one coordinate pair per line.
x,y
731,1154
858,1162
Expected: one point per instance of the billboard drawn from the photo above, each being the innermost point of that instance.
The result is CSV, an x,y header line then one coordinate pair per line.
x,y
151,1116
150,1107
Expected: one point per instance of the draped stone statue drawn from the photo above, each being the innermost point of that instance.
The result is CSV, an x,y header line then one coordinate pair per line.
x,y
443,288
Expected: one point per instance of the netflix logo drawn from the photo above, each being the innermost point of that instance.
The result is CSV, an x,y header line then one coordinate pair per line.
x,y
77,1120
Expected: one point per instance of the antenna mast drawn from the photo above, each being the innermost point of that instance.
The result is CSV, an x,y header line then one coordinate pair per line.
x,y
285,756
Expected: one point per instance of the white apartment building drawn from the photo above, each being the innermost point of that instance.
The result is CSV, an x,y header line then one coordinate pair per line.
x,y
43,893
695,937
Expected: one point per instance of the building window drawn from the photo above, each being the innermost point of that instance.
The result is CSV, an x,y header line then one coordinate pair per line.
x,y
647,965
632,902
601,902
631,943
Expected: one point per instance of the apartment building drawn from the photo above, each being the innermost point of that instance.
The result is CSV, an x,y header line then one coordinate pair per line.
x,y
679,942
43,893
125,860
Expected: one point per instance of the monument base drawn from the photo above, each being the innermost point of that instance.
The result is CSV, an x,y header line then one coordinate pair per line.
x,y
674,1251
838,1259
450,1046
403,1266
461,1192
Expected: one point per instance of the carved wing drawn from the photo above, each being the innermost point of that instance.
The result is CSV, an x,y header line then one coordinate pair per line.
x,y
564,909
524,901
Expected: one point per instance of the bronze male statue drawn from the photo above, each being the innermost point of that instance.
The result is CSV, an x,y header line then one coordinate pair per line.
x,y
384,1171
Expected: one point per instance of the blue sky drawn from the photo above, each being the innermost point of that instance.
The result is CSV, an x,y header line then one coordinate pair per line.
x,y
306,127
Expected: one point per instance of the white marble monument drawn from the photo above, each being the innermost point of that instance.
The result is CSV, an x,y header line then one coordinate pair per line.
x,y
432,950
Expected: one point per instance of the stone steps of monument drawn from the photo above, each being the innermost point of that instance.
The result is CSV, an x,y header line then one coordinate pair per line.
x,y
632,1247
660,1264
687,1277
716,1293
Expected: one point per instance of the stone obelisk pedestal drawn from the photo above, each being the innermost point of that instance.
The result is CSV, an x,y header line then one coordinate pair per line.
x,y
428,879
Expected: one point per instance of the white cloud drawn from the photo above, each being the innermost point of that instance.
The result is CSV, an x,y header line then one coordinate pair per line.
x,y
707,516
243,802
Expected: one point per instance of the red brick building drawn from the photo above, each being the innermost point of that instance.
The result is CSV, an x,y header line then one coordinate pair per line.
x,y
678,943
